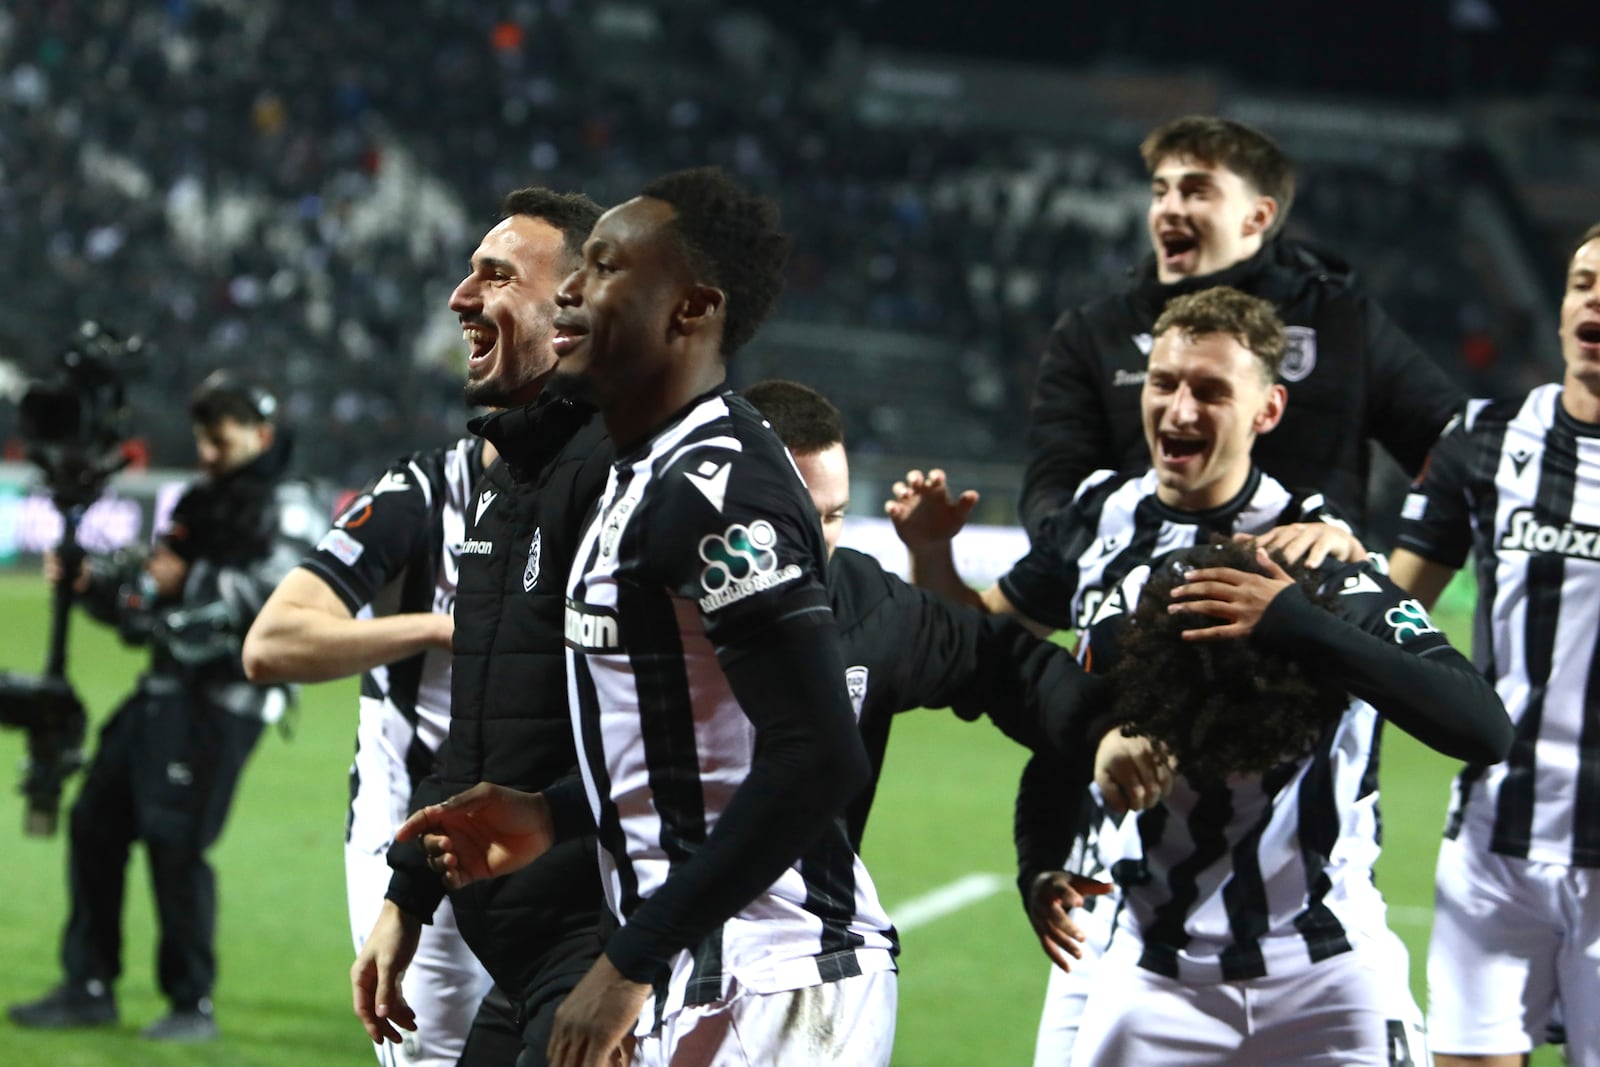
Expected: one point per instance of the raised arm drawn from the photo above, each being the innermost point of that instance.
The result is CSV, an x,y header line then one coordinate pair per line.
x,y
927,518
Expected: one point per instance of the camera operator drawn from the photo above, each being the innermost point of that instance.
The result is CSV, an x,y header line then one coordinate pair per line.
x,y
170,757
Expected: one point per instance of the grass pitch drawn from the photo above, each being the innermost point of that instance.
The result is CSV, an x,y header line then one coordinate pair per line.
x,y
971,982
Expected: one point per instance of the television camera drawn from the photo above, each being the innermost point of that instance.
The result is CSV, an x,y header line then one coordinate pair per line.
x,y
73,425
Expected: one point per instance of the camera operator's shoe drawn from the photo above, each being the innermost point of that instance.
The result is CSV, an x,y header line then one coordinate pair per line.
x,y
68,1007
188,1024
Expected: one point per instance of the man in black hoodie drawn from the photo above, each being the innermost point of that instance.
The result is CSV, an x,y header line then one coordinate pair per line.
x,y
535,931
1220,195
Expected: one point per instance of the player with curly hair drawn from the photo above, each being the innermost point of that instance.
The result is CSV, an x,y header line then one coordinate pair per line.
x,y
1251,931
1245,712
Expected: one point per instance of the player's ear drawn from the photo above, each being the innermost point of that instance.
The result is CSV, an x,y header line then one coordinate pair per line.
x,y
1271,412
700,309
1262,212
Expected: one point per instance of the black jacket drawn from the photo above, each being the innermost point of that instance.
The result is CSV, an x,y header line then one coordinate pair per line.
x,y
906,648
1352,375
508,718
239,533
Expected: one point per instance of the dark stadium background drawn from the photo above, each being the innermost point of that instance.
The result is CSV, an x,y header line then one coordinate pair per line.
x,y
292,187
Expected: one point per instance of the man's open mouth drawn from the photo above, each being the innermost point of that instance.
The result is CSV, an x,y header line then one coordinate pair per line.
x,y
1174,245
1181,447
480,341
1588,333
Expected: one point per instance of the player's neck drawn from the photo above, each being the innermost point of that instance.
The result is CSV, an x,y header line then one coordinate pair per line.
x,y
635,415
1580,398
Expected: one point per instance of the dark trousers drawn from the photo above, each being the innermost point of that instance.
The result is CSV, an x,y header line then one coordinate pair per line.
x,y
508,1034
164,773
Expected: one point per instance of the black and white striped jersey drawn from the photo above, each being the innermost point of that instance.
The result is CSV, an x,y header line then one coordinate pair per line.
x,y
704,546
394,550
1267,874
1517,482
1116,522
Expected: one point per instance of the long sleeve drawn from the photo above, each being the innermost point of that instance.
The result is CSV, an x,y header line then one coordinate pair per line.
x,y
808,763
1389,655
1069,435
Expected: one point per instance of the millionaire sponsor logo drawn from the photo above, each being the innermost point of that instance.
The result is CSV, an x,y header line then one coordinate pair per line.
x,y
741,562
1525,533
590,629
472,546
1409,619
1128,377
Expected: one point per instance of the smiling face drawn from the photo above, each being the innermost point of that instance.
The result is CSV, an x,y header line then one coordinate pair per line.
x,y
1203,218
619,311
1580,319
505,305
1205,400
827,476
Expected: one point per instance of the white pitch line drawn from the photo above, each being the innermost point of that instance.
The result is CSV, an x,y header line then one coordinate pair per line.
x,y
937,903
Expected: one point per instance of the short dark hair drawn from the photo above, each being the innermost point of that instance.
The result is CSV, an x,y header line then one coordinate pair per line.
x,y
804,420
574,214
730,239
226,394
1219,142
1250,320
1588,235
1218,707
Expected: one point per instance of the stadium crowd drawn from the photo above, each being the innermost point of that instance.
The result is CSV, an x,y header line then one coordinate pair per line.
x,y
274,188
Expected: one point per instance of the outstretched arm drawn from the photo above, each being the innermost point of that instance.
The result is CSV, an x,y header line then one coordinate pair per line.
x,y
306,633
1394,660
484,832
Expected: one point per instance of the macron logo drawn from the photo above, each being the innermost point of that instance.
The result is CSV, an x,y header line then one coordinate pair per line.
x,y
392,482
712,481
1359,583
484,500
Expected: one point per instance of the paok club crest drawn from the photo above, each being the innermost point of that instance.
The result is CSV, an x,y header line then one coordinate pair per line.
x,y
530,573
1300,354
